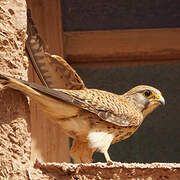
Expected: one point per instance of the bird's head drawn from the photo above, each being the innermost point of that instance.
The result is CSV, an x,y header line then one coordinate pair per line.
x,y
145,98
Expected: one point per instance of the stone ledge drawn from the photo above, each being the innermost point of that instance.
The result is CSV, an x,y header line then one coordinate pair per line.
x,y
116,171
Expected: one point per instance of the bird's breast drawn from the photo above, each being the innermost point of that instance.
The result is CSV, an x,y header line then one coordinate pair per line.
x,y
79,127
123,133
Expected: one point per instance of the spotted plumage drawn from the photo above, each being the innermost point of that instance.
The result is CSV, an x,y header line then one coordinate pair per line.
x,y
94,118
108,106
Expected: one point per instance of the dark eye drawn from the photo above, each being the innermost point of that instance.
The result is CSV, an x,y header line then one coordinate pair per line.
x,y
147,93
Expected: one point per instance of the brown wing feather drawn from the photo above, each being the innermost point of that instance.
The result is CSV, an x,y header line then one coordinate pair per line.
x,y
53,71
108,106
64,71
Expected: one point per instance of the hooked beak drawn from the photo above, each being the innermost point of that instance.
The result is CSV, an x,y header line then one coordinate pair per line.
x,y
160,99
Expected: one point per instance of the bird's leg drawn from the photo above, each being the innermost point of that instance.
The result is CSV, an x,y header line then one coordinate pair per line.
x,y
101,141
108,159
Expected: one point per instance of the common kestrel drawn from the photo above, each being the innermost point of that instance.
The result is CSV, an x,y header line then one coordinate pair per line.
x,y
90,116
93,118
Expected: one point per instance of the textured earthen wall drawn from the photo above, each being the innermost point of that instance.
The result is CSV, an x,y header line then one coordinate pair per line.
x,y
14,110
15,127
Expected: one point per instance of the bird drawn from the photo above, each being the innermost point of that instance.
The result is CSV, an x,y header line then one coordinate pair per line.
x,y
94,118
85,113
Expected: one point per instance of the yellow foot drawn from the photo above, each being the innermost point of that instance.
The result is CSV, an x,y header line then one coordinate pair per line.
x,y
109,162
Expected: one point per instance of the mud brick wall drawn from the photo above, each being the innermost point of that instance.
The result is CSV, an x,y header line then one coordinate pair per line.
x,y
14,112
